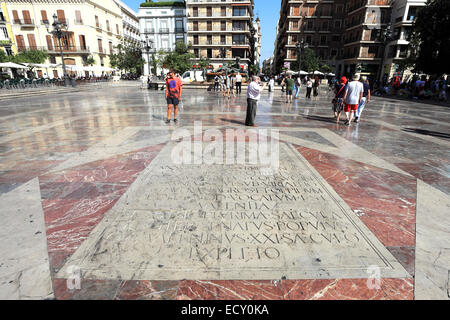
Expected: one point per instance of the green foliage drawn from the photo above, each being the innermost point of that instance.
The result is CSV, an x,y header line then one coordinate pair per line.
x,y
309,61
29,56
178,60
429,39
128,58
150,4
325,68
90,61
3,56
253,69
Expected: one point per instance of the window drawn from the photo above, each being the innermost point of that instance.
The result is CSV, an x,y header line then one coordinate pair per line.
x,y
49,42
78,19
61,16
100,45
239,12
4,33
239,39
44,16
412,12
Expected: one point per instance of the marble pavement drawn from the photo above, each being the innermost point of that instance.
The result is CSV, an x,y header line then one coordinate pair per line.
x,y
94,207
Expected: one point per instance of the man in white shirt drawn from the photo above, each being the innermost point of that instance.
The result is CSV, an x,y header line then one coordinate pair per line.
x,y
238,83
352,98
253,96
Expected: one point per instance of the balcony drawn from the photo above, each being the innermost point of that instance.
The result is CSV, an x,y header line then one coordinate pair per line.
x,y
55,50
149,30
25,22
164,30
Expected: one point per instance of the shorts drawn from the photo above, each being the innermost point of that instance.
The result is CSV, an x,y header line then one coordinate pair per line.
x,y
173,101
289,92
351,107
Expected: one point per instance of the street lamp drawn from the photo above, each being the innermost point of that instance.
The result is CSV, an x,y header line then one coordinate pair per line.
x,y
59,30
386,37
147,45
300,47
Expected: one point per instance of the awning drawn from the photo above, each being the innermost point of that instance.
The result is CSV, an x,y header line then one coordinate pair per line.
x,y
44,66
12,65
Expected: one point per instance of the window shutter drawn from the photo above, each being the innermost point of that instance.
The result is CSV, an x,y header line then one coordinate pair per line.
x,y
78,16
49,42
26,16
44,15
31,41
15,16
61,16
20,42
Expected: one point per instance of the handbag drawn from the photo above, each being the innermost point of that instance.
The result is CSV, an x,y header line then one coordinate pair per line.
x,y
334,100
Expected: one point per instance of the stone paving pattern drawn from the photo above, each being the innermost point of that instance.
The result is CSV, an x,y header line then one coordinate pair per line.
x,y
67,160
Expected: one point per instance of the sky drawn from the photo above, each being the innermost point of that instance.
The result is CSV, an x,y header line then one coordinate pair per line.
x,y
268,12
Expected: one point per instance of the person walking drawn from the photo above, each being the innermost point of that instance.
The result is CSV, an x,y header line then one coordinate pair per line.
x,y
309,86
353,95
174,91
253,96
271,84
298,85
338,101
365,99
289,83
216,83
144,80
238,83
316,86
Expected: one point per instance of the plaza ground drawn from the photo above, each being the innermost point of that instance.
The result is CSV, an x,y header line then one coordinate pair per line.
x,y
81,174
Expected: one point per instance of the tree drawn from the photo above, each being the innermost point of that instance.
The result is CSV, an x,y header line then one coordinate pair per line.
x,y
29,56
310,62
90,61
128,58
429,39
3,56
253,69
325,68
179,60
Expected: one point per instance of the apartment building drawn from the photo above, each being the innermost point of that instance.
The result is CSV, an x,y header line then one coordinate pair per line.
x,y
94,29
7,43
363,41
130,24
346,35
320,24
227,25
163,26
257,43
403,14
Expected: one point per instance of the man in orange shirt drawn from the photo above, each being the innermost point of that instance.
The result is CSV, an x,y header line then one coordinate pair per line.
x,y
174,90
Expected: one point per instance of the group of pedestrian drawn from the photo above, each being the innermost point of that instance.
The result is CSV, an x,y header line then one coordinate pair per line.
x,y
351,97
228,84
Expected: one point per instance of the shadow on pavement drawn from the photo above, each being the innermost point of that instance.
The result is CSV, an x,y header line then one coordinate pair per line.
x,y
427,133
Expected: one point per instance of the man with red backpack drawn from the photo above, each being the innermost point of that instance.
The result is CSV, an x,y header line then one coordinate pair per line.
x,y
174,90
